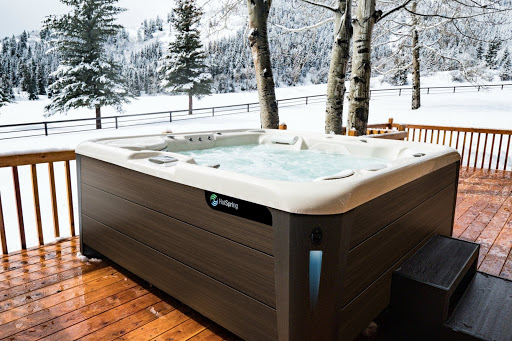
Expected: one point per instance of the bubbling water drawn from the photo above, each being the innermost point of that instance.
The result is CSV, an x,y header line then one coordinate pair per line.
x,y
280,163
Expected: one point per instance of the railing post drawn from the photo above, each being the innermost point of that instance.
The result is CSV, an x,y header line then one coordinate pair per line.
x,y
213,112
453,89
306,100
247,107
53,195
479,88
170,116
45,129
400,92
70,198
116,121
428,91
3,240
17,193
501,86
37,208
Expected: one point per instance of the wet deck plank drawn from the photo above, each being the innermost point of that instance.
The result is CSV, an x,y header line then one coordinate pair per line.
x,y
483,215
48,294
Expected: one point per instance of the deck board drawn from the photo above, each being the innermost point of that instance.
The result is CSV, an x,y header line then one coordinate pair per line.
x,y
483,215
47,293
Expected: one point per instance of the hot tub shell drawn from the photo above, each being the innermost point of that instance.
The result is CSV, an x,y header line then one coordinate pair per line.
x,y
252,269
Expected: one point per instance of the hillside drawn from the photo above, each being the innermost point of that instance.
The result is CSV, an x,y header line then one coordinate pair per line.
x,y
298,58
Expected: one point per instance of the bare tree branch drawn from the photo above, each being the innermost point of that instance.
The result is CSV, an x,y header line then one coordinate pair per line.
x,y
393,10
323,22
435,15
332,9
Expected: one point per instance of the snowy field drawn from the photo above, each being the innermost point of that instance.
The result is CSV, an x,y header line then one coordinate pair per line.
x,y
484,109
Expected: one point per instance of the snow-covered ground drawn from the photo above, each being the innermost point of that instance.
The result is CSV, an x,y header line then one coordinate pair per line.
x,y
484,109
487,108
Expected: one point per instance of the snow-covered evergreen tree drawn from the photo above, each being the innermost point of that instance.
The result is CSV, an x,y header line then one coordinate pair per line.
x,y
480,52
183,69
5,97
491,57
506,73
87,76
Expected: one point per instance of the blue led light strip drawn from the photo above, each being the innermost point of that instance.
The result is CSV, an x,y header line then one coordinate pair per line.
x,y
315,268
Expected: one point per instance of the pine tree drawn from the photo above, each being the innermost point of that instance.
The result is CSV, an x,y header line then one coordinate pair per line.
x,y
506,73
32,88
506,56
183,68
86,77
492,54
480,51
5,96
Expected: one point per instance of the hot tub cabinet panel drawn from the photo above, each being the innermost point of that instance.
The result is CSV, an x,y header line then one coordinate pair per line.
x,y
355,283
265,272
232,309
184,203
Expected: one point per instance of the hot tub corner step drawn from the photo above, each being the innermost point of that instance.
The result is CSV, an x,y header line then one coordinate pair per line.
x,y
428,286
484,312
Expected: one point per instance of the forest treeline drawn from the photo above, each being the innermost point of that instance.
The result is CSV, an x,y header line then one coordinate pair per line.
x,y
27,63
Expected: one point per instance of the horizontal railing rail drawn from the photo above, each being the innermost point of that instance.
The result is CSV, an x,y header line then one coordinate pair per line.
x,y
32,160
45,128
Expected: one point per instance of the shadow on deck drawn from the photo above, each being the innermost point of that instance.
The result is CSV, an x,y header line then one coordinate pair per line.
x,y
47,293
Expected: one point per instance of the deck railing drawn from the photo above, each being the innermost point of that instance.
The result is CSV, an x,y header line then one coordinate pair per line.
x,y
479,148
32,160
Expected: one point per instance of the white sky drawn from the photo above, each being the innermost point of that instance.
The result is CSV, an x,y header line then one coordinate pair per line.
x,y
19,15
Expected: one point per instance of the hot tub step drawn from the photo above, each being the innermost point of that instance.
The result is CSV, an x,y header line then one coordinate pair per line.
x,y
485,311
428,286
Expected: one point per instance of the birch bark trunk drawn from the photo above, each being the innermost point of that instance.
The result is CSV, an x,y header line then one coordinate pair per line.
x,y
416,87
258,39
338,68
359,95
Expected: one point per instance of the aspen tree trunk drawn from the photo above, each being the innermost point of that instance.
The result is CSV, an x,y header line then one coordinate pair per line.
x,y
258,39
359,96
416,89
338,68
98,117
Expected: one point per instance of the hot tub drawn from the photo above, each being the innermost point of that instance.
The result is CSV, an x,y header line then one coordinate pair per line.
x,y
271,234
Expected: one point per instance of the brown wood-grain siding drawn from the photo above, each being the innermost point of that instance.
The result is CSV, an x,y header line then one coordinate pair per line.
x,y
245,269
182,202
377,254
376,297
246,317
374,215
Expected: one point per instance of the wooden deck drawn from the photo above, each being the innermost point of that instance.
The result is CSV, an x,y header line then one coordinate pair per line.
x,y
483,215
48,294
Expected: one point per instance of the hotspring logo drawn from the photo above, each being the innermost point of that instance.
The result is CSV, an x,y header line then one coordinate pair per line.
x,y
215,200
